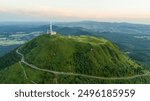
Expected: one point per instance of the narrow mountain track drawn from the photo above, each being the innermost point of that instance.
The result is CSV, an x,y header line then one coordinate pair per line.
x,y
23,70
76,74
25,74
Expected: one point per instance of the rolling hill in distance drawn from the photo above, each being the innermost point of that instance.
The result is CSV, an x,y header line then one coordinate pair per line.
x,y
124,28
70,59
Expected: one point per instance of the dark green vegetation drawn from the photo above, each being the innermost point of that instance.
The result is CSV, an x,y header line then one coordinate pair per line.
x,y
76,54
9,59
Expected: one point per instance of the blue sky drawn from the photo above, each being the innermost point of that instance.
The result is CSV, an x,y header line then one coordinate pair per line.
x,y
136,11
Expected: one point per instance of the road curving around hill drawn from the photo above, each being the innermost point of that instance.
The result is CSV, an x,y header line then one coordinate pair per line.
x,y
76,74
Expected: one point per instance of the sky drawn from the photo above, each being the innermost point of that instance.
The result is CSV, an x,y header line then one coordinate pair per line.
x,y
134,11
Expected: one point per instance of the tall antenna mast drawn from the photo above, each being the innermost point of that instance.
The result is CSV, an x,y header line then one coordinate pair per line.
x,y
51,28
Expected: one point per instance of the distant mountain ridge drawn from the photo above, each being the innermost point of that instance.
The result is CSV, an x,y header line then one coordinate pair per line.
x,y
89,26
127,28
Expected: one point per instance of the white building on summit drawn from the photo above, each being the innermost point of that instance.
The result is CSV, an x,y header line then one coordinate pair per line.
x,y
50,30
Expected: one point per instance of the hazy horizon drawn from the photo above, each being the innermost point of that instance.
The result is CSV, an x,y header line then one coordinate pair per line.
x,y
130,11
56,22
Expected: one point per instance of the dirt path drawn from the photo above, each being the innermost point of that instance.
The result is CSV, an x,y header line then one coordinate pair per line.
x,y
25,74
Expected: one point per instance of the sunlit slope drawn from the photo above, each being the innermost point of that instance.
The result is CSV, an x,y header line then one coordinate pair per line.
x,y
13,74
79,54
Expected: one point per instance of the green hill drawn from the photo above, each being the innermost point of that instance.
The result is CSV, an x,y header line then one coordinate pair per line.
x,y
70,59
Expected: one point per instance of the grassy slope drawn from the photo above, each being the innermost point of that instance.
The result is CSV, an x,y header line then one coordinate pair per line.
x,y
79,54
13,74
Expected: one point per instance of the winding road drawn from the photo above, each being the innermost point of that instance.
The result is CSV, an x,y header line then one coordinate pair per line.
x,y
76,74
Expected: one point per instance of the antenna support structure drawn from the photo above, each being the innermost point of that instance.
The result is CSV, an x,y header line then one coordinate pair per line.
x,y
50,30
